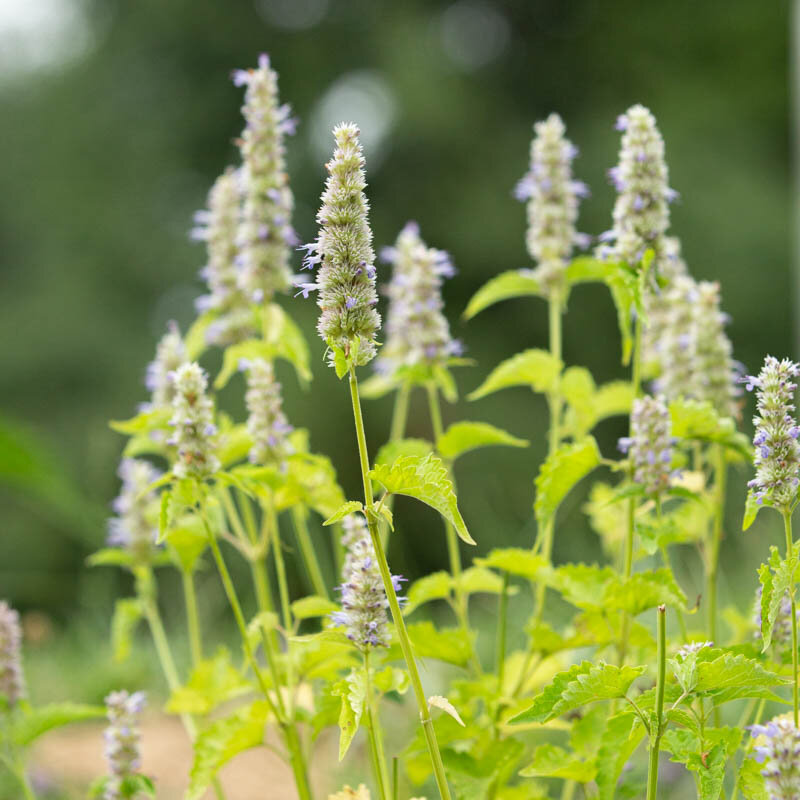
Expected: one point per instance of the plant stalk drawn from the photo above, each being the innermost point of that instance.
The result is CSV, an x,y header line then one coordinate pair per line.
x,y
309,555
716,540
192,617
787,524
655,735
375,739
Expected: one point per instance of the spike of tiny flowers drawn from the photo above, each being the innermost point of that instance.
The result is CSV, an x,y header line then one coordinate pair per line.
x,y
12,679
641,211
133,528
193,424
777,453
553,198
343,251
417,332
265,234
266,423
779,752
650,444
122,739
170,354
782,629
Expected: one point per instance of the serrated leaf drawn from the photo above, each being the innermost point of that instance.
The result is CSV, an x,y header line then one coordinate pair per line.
x,y
624,288
506,285
643,591
621,737
144,422
311,480
425,479
537,369
437,701
127,614
550,761
587,404
751,509
698,420
583,585
35,722
435,586
477,580
222,740
751,781
581,684
732,676
450,645
313,606
353,691
391,451
461,437
560,472
211,683
392,679
709,769
777,578
350,507
514,561
186,542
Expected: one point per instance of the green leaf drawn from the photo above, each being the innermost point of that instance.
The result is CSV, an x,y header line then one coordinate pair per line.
x,y
444,380
212,682
730,677
777,578
186,542
143,422
621,737
583,585
461,437
340,363
514,561
164,514
698,420
645,590
450,645
515,283
537,369
560,472
585,269
353,691
283,333
350,507
587,405
624,287
435,586
313,606
127,614
550,761
249,349
709,769
751,509
751,781
477,580
111,557
391,451
392,679
425,479
195,339
581,684
35,722
222,740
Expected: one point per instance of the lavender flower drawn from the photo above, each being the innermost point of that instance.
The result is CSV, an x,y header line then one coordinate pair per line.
x,y
170,354
641,212
650,444
553,199
265,234
417,331
133,528
782,629
266,423
218,227
12,680
364,602
779,752
343,251
777,453
193,424
692,648
122,741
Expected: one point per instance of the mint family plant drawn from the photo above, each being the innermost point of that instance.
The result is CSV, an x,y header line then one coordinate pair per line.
x,y
575,708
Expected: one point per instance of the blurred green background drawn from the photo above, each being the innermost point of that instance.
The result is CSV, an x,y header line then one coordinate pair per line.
x,y
115,117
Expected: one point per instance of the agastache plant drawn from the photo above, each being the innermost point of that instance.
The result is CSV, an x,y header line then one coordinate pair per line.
x,y
134,527
650,445
778,751
123,744
266,422
170,354
12,679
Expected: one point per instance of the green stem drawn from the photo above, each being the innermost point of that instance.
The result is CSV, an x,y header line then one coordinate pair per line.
x,y
716,540
391,595
395,778
397,429
16,766
309,555
502,622
568,790
657,728
233,515
375,738
787,525
192,617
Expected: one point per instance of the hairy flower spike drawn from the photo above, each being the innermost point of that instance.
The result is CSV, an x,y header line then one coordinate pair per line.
x,y
12,680
779,752
122,740
343,251
417,331
641,212
777,453
193,424
650,444
265,234
170,354
553,199
782,629
133,526
266,423
364,603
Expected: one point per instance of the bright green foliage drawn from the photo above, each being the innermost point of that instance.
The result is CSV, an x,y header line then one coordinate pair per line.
x,y
696,420
461,437
506,285
777,578
751,781
128,613
425,479
436,586
622,735
312,606
211,683
515,561
344,510
353,691
730,677
550,761
28,726
391,451
589,404
450,645
534,368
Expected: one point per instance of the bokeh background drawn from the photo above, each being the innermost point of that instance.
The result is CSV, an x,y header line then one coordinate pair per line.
x,y
116,116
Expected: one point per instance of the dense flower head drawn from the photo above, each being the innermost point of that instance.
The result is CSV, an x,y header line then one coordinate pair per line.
x,y
122,740
218,227
266,422
170,354
265,235
641,211
133,526
364,603
553,198
193,424
343,253
779,752
650,444
12,679
417,332
782,629
777,453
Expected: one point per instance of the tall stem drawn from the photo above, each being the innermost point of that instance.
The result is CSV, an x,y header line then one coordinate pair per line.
x,y
787,525
400,413
309,555
716,540
655,734
375,739
391,595
192,617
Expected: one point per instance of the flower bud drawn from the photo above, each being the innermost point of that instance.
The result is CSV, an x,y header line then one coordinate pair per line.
x,y
170,354
266,423
779,752
12,679
133,528
650,444
122,740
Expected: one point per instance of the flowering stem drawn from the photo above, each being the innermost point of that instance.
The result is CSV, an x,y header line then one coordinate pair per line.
x,y
391,595
721,471
300,524
192,617
400,413
502,621
787,524
375,739
656,729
